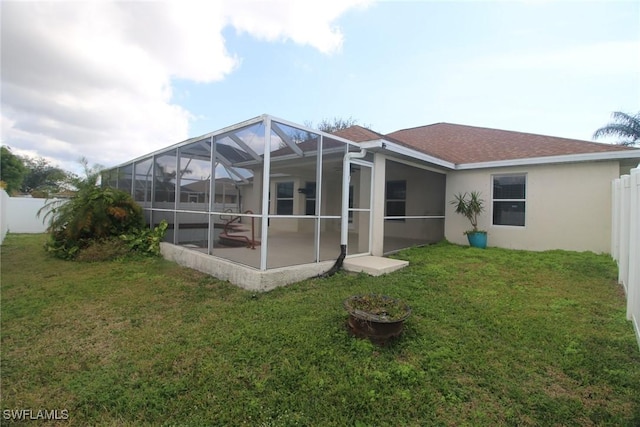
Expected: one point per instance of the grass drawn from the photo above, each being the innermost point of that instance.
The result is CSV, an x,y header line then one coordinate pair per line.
x,y
496,337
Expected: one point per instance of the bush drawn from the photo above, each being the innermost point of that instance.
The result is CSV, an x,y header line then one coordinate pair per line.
x,y
93,214
103,250
146,241
98,223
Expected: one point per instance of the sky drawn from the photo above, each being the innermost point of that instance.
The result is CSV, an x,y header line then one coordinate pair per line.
x,y
112,81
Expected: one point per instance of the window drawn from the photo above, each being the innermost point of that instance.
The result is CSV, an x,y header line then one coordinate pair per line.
x,y
396,199
284,198
509,199
310,198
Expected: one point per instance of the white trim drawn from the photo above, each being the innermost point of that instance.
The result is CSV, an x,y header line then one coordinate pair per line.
x,y
266,183
568,158
406,151
346,181
278,198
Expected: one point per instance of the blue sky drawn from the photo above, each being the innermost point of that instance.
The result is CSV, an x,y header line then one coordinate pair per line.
x,y
550,67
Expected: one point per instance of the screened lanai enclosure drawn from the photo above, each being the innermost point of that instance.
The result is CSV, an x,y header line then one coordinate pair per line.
x,y
267,193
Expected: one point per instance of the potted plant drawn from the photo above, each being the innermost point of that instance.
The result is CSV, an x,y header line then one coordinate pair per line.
x,y
377,317
470,205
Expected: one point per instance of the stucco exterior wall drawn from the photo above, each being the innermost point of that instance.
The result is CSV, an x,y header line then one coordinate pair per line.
x,y
568,206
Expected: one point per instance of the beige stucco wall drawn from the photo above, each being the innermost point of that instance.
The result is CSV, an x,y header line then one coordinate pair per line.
x,y
568,206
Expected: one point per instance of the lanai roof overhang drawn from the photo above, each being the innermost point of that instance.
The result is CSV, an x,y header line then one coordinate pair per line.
x,y
248,153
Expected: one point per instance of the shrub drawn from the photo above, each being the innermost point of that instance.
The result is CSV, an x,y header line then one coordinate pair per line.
x,y
103,250
146,241
93,214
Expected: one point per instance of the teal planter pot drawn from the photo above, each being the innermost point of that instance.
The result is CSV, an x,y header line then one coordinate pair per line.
x,y
478,240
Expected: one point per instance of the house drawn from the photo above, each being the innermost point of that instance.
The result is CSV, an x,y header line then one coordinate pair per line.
x,y
300,198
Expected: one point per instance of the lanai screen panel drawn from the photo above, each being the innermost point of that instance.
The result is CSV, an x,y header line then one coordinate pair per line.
x,y
157,216
236,163
143,182
125,177
195,176
193,181
293,222
414,206
359,209
110,178
330,197
165,172
192,230
236,207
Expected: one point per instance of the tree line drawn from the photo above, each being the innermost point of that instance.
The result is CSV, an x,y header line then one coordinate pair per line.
x,y
32,175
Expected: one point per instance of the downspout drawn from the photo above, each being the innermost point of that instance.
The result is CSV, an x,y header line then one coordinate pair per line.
x,y
344,220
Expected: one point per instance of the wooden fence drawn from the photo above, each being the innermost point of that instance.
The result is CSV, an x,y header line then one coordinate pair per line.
x,y
625,240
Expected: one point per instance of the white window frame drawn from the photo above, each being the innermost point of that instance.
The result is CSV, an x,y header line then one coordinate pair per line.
x,y
292,198
523,200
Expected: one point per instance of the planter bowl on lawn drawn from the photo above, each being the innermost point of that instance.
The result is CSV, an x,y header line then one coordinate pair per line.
x,y
376,317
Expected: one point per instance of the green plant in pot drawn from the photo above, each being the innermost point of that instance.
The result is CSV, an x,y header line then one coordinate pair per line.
x,y
471,205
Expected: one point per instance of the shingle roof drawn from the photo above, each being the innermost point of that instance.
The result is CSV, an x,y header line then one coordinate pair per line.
x,y
358,134
469,144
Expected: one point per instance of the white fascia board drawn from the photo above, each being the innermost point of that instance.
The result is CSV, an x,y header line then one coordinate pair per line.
x,y
405,151
569,158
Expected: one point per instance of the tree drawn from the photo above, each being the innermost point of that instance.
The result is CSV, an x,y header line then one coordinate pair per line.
x,y
42,178
623,125
337,123
12,170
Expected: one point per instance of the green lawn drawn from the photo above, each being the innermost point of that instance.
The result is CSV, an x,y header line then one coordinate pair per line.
x,y
497,337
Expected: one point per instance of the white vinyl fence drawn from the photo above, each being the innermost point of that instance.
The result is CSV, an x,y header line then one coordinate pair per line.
x,y
625,240
4,200
20,215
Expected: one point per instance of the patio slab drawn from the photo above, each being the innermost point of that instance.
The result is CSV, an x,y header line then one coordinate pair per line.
x,y
373,265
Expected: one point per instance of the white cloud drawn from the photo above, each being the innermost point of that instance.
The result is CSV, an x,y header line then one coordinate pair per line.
x,y
303,22
94,79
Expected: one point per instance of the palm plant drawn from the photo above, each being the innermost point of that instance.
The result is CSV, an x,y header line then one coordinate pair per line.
x,y
623,125
469,205
92,214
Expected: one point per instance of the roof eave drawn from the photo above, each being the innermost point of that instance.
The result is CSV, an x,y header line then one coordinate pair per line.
x,y
568,158
386,145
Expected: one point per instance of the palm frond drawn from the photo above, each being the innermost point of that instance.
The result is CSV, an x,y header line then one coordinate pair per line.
x,y
623,125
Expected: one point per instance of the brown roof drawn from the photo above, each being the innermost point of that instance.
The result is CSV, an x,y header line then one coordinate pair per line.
x,y
470,144
358,134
